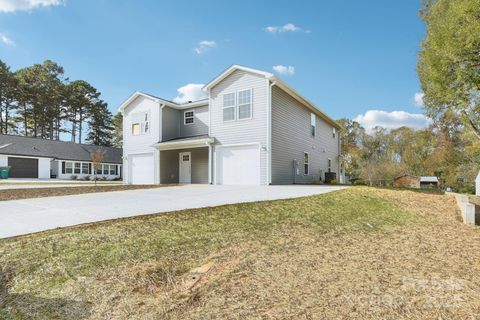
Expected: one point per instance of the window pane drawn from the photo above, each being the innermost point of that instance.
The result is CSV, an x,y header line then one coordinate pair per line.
x,y
85,168
105,169
99,169
229,100
305,158
305,168
244,111
313,131
228,114
112,169
135,129
69,167
244,97
77,167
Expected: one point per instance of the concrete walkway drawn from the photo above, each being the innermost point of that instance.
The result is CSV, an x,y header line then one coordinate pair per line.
x,y
18,217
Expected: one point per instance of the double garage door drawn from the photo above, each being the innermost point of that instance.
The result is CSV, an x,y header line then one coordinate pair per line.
x,y
23,167
238,165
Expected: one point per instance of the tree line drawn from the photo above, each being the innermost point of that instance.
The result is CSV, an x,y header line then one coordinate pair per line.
x,y
39,101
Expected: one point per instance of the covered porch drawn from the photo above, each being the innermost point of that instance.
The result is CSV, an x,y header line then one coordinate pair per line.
x,y
186,160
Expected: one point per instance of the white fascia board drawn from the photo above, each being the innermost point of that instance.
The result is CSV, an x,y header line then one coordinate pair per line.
x,y
172,145
230,70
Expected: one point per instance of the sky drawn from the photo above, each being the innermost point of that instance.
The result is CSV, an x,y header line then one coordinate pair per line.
x,y
351,58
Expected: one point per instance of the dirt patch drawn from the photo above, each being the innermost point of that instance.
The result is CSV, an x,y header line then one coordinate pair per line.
x,y
28,193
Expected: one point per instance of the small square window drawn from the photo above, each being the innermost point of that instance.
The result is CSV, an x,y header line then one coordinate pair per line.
x,y
189,117
136,129
186,157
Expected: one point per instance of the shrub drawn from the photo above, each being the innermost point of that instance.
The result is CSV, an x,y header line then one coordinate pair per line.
x,y
333,181
86,178
360,183
73,177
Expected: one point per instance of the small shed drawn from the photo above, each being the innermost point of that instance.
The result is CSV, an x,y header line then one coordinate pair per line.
x,y
406,181
428,182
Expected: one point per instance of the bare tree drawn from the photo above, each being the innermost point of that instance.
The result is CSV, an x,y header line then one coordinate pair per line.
x,y
97,157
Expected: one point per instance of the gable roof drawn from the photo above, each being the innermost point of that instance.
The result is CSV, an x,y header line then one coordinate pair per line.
x,y
162,101
279,83
61,150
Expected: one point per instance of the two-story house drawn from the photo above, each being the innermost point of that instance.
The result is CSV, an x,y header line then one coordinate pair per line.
x,y
253,129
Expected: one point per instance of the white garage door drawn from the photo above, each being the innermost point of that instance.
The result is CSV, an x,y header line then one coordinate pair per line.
x,y
238,165
141,168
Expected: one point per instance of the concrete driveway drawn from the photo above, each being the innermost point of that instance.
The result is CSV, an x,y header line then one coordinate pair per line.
x,y
18,217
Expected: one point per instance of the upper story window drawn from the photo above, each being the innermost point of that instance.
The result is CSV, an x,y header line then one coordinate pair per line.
x,y
313,124
334,133
229,106
140,123
189,117
245,104
306,162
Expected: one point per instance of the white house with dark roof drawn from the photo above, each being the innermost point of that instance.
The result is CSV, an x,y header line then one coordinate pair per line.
x,y
253,129
30,157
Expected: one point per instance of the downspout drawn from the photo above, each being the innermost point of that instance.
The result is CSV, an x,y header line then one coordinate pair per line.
x,y
269,132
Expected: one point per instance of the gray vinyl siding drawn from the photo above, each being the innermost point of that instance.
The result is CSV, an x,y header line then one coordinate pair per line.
x,y
173,124
242,131
291,137
170,119
169,165
200,125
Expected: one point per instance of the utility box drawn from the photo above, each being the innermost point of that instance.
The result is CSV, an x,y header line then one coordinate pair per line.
x,y
4,171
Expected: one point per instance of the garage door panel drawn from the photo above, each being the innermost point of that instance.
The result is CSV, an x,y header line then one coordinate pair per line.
x,y
239,165
142,168
23,167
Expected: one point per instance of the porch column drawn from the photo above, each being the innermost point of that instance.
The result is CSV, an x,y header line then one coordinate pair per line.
x,y
156,171
209,164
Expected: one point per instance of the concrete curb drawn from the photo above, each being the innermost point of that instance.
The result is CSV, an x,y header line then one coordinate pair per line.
x,y
466,208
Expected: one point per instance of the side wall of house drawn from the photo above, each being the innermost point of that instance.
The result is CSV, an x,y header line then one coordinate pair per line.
x,y
141,144
247,131
291,138
173,124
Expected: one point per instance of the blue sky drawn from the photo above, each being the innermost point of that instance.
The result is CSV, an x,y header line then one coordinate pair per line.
x,y
347,57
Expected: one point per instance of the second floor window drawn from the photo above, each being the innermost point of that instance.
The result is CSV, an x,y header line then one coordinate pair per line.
x,y
189,117
313,124
245,104
229,107
334,132
141,123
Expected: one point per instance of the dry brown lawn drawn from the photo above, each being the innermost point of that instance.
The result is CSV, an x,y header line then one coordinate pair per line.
x,y
28,193
360,253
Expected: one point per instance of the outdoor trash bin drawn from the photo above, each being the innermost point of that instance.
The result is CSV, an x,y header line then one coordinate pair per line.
x,y
4,172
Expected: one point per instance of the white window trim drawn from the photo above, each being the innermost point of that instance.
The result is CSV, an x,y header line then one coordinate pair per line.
x,y
185,119
306,163
238,105
234,106
313,117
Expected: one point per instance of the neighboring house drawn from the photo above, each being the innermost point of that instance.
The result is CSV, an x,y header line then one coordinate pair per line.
x,y
44,159
253,129
411,181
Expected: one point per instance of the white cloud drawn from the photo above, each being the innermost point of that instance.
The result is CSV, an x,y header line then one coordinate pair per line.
x,y
392,120
25,5
205,45
418,98
287,70
190,92
289,27
6,40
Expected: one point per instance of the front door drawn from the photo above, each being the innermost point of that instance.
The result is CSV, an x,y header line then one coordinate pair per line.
x,y
185,167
